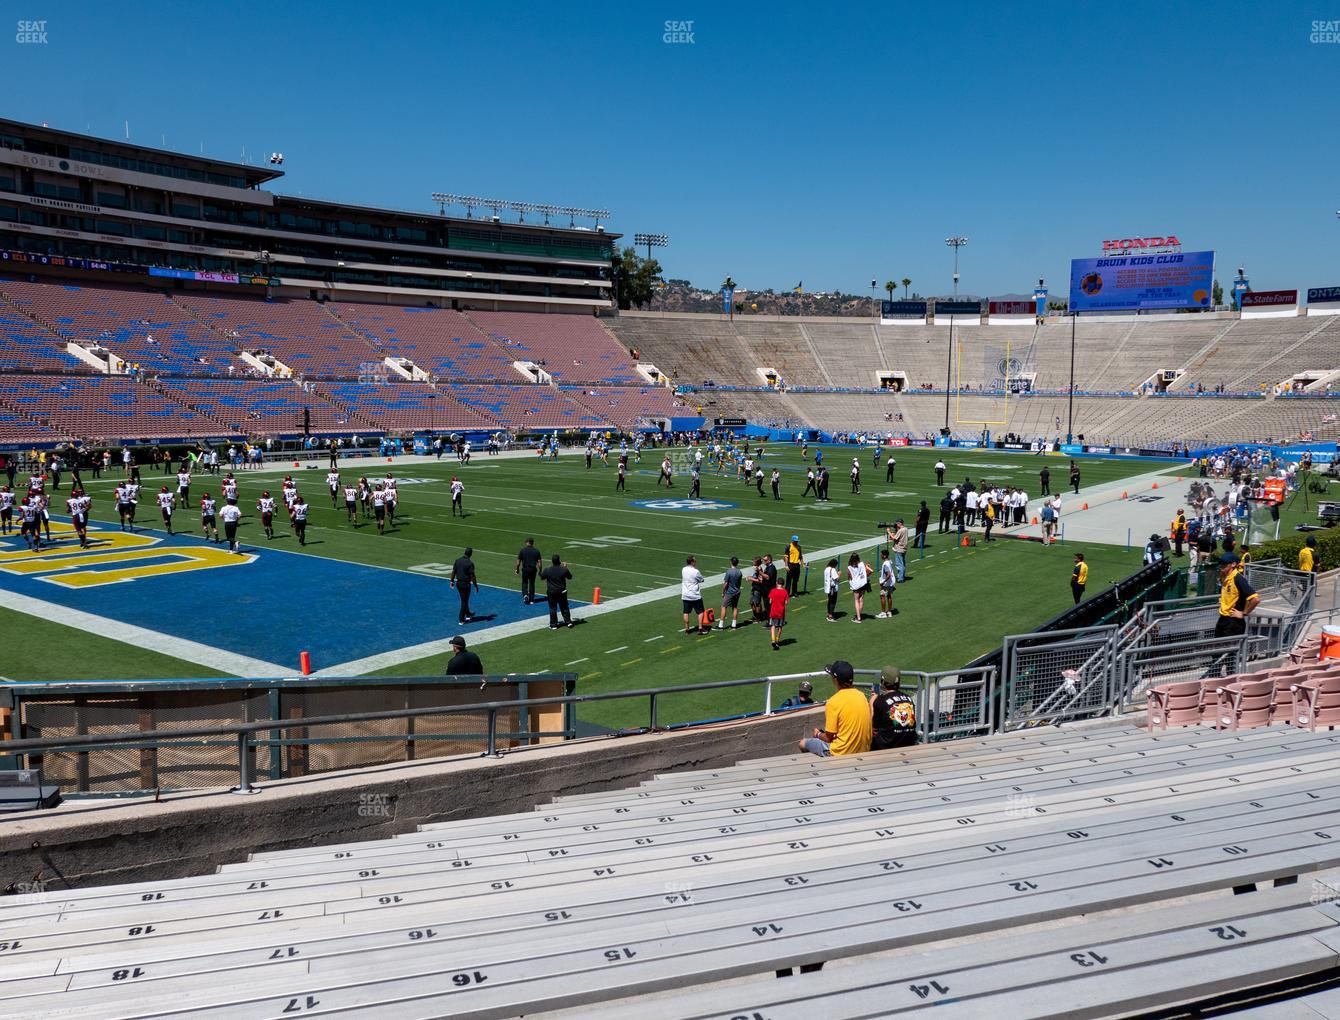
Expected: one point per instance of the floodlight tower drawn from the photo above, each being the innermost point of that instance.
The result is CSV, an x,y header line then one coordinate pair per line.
x,y
956,243
651,241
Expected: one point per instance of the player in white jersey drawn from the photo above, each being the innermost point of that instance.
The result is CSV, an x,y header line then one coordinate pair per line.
x,y
333,484
351,503
287,487
36,482
44,512
231,514
299,511
457,496
6,510
266,505
165,508
290,497
30,522
379,508
392,501
229,487
132,497
78,504
184,487
208,516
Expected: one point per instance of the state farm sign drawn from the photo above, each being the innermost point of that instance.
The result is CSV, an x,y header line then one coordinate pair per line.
x,y
1141,243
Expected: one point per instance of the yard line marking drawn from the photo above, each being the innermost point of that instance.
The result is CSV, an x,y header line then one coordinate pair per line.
x,y
672,648
590,675
647,641
621,648
629,662
575,661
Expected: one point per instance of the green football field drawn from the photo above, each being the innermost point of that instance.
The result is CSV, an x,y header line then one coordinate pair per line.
x,y
957,603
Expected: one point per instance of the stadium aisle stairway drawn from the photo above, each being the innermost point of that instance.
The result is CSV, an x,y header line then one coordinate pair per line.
x,y
737,873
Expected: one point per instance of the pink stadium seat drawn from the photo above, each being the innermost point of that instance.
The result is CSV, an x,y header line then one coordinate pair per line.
x,y
1176,704
1317,702
1244,704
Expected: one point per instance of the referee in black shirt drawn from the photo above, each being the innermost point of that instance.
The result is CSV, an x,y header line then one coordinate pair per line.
x,y
463,576
528,565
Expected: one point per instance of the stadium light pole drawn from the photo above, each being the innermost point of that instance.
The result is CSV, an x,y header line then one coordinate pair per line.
x,y
1070,414
956,243
651,241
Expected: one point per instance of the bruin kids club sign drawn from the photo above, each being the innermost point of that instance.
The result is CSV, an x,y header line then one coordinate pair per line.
x,y
1169,243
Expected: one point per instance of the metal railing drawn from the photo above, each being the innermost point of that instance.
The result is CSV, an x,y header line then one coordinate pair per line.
x,y
249,735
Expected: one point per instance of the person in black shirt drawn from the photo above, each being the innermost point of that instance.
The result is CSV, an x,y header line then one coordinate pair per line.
x,y
1074,477
556,577
463,576
1045,477
528,565
893,715
922,523
463,663
769,573
946,513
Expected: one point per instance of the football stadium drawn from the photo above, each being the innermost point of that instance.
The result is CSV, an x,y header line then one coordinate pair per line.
x,y
421,604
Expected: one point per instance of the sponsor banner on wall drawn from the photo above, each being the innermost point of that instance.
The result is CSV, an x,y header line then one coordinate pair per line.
x,y
920,442
1323,295
1012,307
898,442
902,309
1269,298
957,308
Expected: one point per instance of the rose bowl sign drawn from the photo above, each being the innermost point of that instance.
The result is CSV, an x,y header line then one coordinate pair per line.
x,y
1169,243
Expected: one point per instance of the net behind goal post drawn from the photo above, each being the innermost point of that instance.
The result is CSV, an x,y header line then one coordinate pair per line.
x,y
986,375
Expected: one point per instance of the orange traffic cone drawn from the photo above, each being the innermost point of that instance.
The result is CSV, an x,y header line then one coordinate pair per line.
x,y
1033,521
1125,496
964,543
1085,506
1156,485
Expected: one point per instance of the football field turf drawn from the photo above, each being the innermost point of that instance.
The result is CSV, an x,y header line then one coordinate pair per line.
x,y
363,602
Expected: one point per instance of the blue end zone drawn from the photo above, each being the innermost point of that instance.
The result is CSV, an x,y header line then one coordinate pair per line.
x,y
282,603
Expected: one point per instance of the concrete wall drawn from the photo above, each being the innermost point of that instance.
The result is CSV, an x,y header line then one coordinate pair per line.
x,y
102,842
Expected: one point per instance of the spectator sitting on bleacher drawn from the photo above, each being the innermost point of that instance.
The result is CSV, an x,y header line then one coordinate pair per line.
x,y
893,714
846,727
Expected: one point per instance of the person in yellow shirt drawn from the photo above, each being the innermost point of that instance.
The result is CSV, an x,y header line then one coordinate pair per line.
x,y
1307,556
795,561
846,728
1079,577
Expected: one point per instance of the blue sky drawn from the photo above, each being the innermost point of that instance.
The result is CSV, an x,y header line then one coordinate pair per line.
x,y
829,144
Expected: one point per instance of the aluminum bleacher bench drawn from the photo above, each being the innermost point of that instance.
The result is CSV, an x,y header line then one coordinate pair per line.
x,y
579,903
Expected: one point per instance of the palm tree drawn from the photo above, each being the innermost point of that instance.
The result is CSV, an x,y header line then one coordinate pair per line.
x,y
906,283
890,286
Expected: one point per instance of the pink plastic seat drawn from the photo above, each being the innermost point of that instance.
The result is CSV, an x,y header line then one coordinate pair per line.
x,y
1176,704
1245,704
1316,702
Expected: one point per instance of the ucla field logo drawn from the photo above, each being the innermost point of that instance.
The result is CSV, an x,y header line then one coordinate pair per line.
x,y
115,557
684,504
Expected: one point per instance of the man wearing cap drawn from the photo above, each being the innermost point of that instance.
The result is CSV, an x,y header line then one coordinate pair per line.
x,y
893,713
1237,599
556,577
846,728
795,559
463,663
803,698
1307,556
898,536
